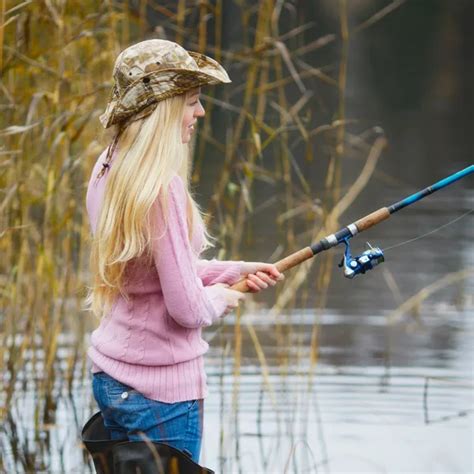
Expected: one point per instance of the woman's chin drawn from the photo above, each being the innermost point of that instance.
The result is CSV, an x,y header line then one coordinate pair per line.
x,y
187,138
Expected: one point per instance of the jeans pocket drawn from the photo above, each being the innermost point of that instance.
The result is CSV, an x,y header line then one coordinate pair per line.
x,y
119,393
109,391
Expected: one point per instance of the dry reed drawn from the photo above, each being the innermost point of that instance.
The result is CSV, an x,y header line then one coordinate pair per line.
x,y
55,63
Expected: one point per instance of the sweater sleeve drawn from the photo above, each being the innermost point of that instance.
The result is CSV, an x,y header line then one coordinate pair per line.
x,y
219,271
188,302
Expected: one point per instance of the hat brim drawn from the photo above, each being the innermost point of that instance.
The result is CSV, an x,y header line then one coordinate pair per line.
x,y
160,85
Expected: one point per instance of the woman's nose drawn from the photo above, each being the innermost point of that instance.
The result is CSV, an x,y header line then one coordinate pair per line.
x,y
199,111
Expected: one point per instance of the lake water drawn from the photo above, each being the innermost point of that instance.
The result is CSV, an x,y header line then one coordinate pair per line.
x,y
357,412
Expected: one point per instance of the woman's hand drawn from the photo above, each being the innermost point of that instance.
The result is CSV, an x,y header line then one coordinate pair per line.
x,y
260,275
233,297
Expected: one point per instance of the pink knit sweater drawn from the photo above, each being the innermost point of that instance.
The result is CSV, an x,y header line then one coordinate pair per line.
x,y
152,342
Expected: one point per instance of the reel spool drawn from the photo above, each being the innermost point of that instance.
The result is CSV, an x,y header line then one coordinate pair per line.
x,y
367,260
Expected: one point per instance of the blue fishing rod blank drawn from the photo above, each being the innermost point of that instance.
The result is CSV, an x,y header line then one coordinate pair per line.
x,y
430,189
384,213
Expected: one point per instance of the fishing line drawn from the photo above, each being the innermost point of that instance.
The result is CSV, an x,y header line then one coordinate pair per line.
x,y
430,232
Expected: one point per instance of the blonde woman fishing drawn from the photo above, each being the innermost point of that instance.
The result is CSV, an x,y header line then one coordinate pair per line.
x,y
151,289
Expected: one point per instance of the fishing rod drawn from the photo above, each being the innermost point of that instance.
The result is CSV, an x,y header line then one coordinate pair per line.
x,y
354,266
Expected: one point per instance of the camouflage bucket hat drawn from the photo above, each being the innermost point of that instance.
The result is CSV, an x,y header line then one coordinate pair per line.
x,y
154,70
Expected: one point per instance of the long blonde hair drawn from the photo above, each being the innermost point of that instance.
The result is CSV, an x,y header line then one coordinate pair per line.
x,y
149,153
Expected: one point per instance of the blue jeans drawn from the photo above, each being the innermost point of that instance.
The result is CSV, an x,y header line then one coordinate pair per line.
x,y
129,415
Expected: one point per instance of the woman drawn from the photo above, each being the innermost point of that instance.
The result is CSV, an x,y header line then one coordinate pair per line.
x,y
150,288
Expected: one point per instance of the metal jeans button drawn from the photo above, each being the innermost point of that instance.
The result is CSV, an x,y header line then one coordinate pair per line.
x,y
124,395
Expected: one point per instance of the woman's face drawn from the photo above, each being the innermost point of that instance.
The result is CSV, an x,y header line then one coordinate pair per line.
x,y
192,110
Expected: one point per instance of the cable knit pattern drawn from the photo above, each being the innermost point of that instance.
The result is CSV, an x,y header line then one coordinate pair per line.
x,y
153,342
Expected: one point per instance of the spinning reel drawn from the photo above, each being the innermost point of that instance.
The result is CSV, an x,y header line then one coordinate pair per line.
x,y
367,260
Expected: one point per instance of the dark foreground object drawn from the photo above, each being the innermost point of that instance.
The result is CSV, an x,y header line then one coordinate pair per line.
x,y
137,457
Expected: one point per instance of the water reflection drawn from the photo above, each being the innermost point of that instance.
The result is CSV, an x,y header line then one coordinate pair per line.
x,y
358,410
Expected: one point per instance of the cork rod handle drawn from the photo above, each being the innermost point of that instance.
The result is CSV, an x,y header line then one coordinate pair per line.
x,y
371,219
